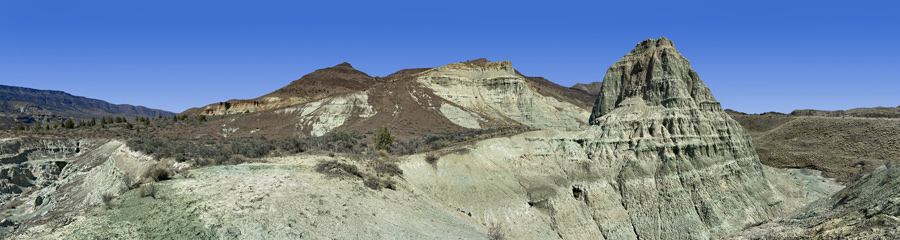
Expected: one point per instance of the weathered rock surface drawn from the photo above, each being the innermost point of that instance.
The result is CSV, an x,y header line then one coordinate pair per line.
x,y
494,90
657,74
65,184
661,161
282,199
866,209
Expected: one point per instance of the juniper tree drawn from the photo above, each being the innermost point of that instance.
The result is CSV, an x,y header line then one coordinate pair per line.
x,y
383,139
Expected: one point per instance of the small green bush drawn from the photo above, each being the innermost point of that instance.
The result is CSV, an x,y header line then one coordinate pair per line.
x,y
383,139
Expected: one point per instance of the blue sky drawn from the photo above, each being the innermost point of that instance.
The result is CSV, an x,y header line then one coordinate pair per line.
x,y
756,56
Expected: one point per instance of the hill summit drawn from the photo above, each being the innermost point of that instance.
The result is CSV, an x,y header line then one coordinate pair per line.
x,y
655,73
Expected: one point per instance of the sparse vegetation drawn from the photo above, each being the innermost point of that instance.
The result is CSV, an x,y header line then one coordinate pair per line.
x,y
384,167
161,174
844,148
147,190
432,159
437,141
373,183
378,183
338,169
107,199
384,171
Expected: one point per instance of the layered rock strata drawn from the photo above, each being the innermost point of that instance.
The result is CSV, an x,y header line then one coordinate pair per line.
x,y
661,161
496,90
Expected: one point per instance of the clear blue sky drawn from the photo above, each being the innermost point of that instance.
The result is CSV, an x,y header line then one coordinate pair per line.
x,y
756,56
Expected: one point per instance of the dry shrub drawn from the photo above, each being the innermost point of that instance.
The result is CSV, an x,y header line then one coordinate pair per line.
x,y
148,189
377,183
388,168
107,198
335,169
373,183
432,159
161,174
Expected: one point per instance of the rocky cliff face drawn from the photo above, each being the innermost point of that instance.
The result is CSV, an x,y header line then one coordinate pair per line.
x,y
495,90
657,75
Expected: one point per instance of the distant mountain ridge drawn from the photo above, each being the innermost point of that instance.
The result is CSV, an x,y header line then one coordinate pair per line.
x,y
28,105
591,88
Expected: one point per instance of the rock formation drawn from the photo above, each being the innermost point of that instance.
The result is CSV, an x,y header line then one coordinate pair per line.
x,y
661,161
495,91
655,73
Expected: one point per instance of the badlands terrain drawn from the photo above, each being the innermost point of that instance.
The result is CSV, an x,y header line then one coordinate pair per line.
x,y
468,150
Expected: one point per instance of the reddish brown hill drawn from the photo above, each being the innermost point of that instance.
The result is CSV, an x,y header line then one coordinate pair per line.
x,y
341,78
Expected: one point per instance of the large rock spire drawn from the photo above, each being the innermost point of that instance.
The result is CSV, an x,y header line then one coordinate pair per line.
x,y
656,73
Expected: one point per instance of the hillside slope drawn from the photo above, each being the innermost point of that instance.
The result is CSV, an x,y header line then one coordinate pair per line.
x,y
844,148
867,209
476,94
